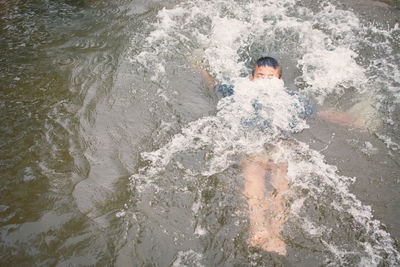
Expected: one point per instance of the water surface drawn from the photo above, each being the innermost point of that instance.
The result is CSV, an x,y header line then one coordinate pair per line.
x,y
115,153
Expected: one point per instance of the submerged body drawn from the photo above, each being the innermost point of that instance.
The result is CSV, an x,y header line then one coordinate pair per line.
x,y
265,208
266,212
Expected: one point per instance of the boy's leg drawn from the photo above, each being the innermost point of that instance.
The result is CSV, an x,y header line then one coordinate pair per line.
x,y
265,208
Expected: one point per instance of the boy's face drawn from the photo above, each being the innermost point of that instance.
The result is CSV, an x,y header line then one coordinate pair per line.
x,y
264,72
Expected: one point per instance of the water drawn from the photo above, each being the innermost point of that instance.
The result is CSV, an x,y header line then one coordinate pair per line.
x,y
115,153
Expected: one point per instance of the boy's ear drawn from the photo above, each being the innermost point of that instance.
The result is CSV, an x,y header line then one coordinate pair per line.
x,y
251,77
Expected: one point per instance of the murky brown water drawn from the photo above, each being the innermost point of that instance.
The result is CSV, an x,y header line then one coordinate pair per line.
x,y
76,113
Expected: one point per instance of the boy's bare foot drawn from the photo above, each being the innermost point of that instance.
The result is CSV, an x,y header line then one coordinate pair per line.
x,y
268,242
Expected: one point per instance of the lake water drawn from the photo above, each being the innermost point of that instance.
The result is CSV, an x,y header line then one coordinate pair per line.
x,y
114,152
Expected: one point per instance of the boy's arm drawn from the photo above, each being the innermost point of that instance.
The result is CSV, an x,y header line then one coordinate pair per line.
x,y
208,79
341,118
363,115
198,65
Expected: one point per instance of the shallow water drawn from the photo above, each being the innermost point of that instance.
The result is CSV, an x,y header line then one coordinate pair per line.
x,y
115,153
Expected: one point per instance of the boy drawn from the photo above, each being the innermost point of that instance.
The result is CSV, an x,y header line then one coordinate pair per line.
x,y
266,207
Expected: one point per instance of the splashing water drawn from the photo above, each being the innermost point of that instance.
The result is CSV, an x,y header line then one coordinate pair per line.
x,y
324,218
258,113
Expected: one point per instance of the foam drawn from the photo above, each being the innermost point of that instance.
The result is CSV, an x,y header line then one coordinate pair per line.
x,y
237,126
188,258
326,70
326,44
318,178
369,149
389,142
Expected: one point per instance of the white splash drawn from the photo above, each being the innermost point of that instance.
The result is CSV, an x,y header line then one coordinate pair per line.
x,y
258,112
188,258
324,44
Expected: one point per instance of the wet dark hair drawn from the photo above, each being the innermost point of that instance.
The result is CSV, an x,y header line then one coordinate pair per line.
x,y
270,62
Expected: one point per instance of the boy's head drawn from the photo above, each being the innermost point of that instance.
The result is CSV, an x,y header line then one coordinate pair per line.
x,y
266,67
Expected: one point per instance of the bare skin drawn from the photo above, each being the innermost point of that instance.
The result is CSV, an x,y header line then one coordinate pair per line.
x,y
265,72
342,119
265,207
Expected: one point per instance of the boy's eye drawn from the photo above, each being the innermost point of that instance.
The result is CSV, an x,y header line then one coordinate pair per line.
x,y
262,75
